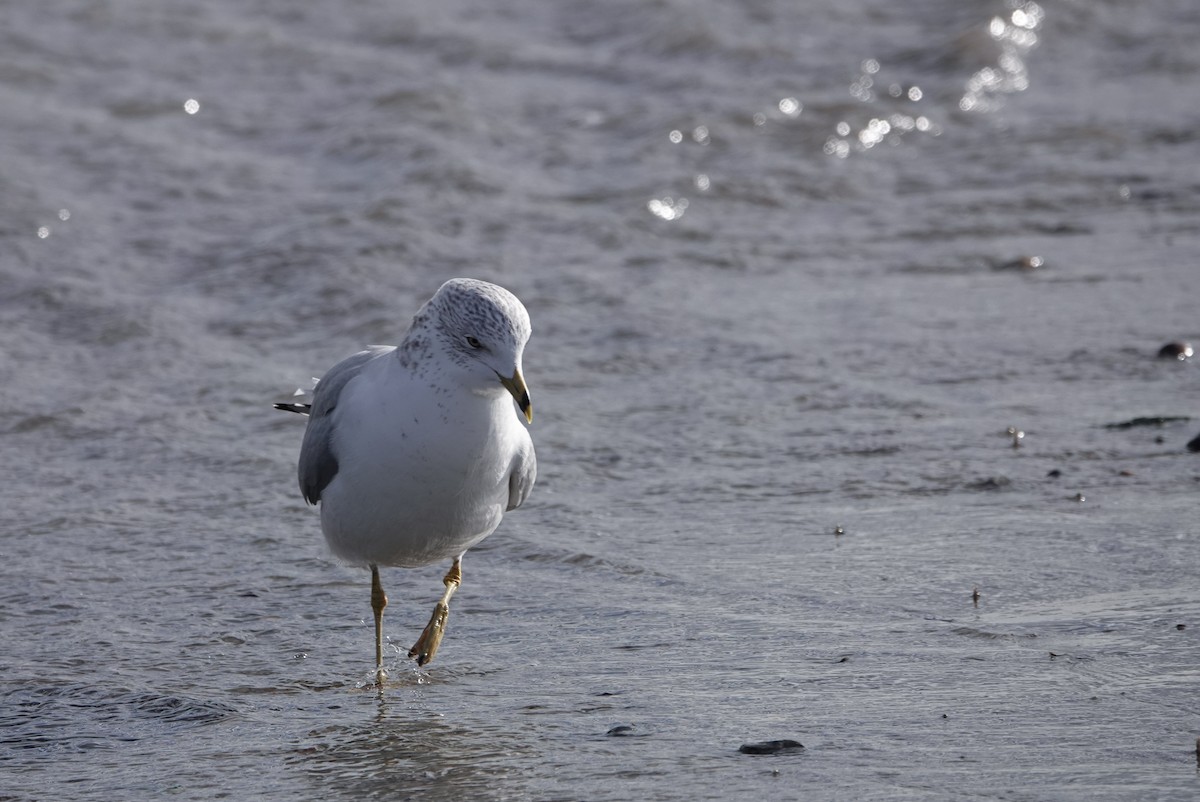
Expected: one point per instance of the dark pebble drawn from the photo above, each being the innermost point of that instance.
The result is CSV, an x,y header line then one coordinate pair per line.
x,y
1176,350
770,747
1194,443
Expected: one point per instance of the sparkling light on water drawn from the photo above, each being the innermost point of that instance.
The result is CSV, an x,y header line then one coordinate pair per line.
x,y
837,147
852,136
1015,35
861,89
191,105
874,133
667,208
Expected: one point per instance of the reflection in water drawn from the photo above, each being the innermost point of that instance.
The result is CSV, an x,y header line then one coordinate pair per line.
x,y
405,750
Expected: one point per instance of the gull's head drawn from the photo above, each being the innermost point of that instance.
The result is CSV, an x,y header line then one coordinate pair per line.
x,y
483,329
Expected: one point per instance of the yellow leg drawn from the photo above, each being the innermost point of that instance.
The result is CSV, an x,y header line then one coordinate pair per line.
x,y
431,637
378,602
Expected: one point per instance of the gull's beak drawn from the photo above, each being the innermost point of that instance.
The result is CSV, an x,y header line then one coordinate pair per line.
x,y
516,386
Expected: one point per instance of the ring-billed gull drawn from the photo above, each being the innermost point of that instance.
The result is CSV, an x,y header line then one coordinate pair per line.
x,y
415,452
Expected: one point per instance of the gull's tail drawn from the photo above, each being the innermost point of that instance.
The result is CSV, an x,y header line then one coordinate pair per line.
x,y
299,409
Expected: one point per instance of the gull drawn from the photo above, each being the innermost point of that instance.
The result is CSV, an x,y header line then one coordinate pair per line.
x,y
415,452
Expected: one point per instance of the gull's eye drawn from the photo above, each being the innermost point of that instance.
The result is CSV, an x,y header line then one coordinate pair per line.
x,y
474,342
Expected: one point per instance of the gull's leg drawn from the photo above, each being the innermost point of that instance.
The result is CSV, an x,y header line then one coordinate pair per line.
x,y
431,638
378,602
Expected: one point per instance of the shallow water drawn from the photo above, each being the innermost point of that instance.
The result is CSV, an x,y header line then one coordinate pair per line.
x,y
778,346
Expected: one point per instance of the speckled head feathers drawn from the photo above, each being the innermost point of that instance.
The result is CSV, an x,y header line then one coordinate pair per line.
x,y
464,309
465,304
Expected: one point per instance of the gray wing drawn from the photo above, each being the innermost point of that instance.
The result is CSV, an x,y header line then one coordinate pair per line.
x,y
521,480
318,463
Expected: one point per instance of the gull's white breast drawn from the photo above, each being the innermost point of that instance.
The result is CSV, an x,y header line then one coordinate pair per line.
x,y
423,469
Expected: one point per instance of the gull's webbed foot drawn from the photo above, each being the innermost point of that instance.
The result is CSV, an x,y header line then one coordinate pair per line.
x,y
431,637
